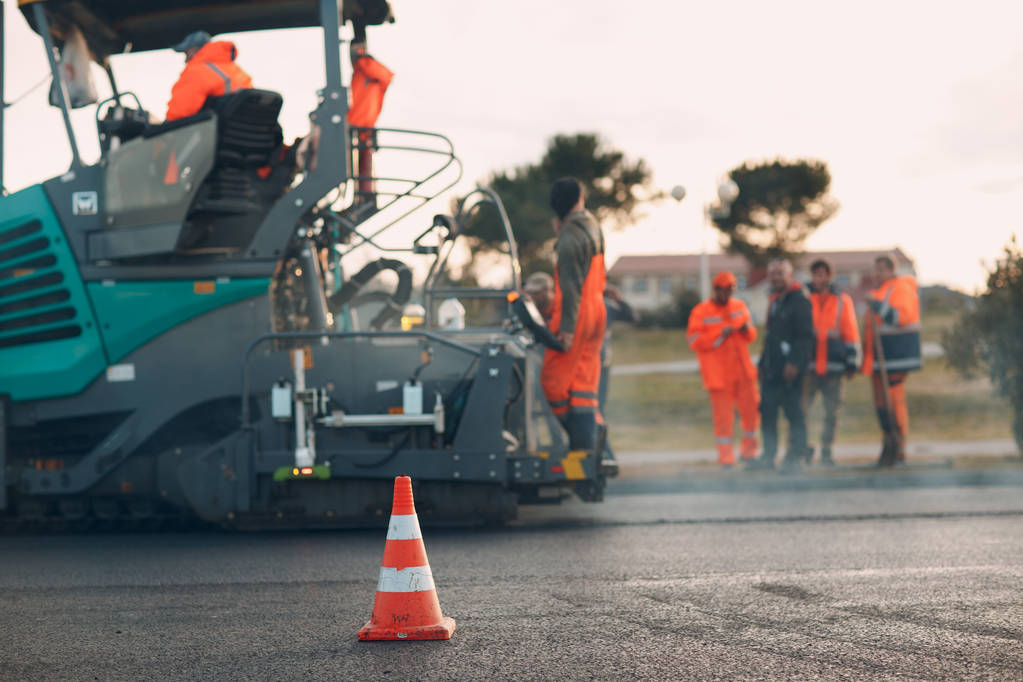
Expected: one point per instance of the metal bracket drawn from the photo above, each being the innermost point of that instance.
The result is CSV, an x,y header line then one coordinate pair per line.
x,y
94,466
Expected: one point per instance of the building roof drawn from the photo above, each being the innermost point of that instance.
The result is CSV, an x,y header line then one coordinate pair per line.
x,y
690,262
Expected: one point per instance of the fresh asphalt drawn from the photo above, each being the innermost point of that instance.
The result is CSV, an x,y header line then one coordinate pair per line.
x,y
852,573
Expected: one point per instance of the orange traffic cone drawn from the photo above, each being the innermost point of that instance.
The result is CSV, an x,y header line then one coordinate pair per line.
x,y
406,605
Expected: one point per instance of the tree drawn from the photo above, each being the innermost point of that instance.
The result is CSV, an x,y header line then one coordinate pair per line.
x,y
779,205
615,186
990,335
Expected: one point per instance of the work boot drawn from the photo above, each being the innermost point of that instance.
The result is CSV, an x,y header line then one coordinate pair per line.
x,y
760,464
899,458
791,465
608,463
826,458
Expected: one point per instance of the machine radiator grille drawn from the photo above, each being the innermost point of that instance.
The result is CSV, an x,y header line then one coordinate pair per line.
x,y
33,299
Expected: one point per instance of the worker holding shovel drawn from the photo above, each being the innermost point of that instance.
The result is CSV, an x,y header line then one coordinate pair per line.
x,y
891,349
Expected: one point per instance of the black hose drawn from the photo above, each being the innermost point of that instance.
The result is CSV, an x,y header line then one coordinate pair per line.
x,y
395,302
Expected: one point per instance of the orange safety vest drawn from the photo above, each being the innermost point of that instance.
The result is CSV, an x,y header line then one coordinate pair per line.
x,y
370,79
210,73
900,327
723,361
834,324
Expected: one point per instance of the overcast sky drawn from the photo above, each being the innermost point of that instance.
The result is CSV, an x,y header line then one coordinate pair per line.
x,y
917,107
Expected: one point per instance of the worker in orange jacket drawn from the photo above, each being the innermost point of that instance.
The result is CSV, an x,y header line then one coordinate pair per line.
x,y
210,71
834,355
720,330
894,315
370,80
571,378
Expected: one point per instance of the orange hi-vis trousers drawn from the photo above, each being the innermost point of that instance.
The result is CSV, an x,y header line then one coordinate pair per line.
x,y
897,392
741,395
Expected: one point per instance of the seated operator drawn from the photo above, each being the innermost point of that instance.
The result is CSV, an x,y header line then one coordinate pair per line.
x,y
210,71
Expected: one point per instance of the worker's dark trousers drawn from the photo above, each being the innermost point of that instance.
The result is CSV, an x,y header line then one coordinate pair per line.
x,y
775,394
830,388
582,429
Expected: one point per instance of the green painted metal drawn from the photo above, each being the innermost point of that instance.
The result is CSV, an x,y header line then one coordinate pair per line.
x,y
320,471
132,313
60,367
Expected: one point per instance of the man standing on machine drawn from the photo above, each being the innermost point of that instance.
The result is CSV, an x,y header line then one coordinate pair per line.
x,y
571,378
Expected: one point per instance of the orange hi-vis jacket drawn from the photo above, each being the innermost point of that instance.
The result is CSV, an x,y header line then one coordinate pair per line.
x,y
900,327
210,73
370,79
722,360
834,324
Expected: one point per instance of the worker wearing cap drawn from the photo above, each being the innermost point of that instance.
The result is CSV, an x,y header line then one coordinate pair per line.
x,y
571,378
540,287
895,312
834,353
721,330
210,71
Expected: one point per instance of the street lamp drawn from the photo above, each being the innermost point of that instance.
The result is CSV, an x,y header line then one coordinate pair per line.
x,y
728,192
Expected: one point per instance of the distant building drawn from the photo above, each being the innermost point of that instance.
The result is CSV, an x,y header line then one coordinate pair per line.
x,y
650,282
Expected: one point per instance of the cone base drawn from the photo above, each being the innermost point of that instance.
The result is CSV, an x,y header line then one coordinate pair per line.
x,y
442,630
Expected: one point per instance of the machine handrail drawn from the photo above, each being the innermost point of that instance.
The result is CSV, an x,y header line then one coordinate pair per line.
x,y
414,184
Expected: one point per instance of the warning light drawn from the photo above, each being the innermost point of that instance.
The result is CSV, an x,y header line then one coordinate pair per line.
x,y
294,472
558,470
513,296
307,471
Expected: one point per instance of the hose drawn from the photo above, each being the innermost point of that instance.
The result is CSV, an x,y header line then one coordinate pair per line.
x,y
395,301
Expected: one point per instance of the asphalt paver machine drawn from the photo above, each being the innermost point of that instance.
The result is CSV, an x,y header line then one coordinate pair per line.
x,y
184,333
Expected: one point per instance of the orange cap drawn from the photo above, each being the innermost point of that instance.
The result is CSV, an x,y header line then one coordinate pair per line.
x,y
725,279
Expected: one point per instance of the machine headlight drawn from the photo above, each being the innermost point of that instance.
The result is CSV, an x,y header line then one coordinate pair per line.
x,y
412,316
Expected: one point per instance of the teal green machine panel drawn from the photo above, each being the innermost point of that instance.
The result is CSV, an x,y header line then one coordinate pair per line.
x,y
131,313
49,342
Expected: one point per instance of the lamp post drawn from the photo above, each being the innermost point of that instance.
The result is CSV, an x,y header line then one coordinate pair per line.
x,y
678,193
728,192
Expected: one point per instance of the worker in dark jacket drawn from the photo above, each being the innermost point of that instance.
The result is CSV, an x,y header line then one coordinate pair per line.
x,y
571,378
783,362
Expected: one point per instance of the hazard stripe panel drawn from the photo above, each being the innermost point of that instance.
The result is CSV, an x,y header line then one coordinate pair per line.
x,y
404,527
401,554
415,579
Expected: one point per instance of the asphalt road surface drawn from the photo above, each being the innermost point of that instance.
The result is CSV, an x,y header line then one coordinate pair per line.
x,y
902,582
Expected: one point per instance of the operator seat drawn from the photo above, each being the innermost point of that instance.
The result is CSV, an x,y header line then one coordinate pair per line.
x,y
233,199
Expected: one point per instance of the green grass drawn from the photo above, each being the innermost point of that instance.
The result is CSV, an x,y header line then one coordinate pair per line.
x,y
632,346
665,412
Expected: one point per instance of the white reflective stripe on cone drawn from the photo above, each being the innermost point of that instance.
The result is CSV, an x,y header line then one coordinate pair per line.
x,y
404,527
415,579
